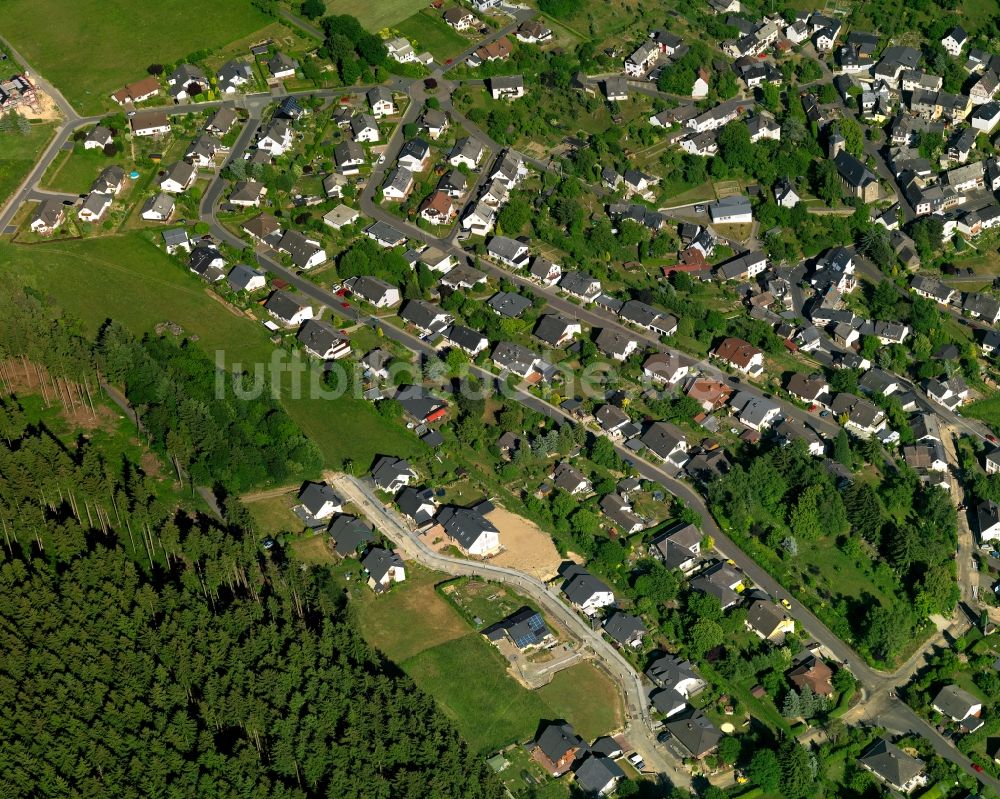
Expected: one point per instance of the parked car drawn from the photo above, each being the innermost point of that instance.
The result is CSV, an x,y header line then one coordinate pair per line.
x,y
637,762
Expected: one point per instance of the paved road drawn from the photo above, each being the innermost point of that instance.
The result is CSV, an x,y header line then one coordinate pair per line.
x,y
638,729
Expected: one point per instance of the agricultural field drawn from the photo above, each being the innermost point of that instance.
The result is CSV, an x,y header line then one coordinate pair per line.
x,y
19,155
119,39
428,31
376,16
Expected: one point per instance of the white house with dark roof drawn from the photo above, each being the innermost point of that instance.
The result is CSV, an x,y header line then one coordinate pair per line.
x,y
893,766
391,474
384,568
320,501
470,530
374,291
584,591
284,307
322,340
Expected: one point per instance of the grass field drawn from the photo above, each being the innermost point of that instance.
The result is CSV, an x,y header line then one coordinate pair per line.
x,y
987,410
585,694
128,279
19,155
74,170
117,39
428,31
468,678
376,15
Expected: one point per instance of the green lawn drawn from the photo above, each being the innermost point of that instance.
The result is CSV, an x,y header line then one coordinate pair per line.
x,y
375,16
988,410
586,695
19,155
74,170
468,678
428,31
90,48
128,279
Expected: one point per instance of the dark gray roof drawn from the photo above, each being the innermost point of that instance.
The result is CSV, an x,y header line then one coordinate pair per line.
x,y
319,336
581,585
697,734
852,170
525,627
623,627
422,314
464,524
314,495
557,739
388,469
595,772
464,337
240,276
418,402
509,303
552,327
662,438
386,233
891,763
417,503
283,305
349,534
505,248
955,702
378,562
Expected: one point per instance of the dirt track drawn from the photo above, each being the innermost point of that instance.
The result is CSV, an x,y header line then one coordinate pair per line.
x,y
527,547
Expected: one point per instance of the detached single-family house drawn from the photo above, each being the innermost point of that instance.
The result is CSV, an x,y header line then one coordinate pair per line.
x,y
467,151
472,532
812,673
340,217
158,208
384,568
955,40
437,209
246,278
545,272
262,227
417,504
98,138
151,123
813,388
320,501
524,628
988,516
231,76
740,355
349,535
508,251
287,309
580,285
733,210
459,18
675,676
322,340
507,87
696,734
957,704
556,331
349,156
569,479
49,216
679,547
364,128
282,66
138,91
666,442
414,155
94,207
391,474
381,102
276,138
434,122
176,239
616,343
668,368
893,766
398,184
247,193
207,262
557,747
185,81
769,621
584,591
597,775
374,291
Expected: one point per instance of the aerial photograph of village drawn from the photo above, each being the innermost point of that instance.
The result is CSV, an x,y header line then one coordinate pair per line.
x,y
500,399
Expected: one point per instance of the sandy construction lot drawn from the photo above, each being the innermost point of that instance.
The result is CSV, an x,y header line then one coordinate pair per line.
x,y
527,547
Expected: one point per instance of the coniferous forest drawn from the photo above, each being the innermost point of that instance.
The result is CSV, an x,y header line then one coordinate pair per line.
x,y
151,651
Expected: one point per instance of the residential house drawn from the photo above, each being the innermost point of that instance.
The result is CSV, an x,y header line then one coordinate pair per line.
x,y
479,221
508,251
743,267
417,504
959,705
245,278
202,151
374,291
459,18
340,217
679,547
696,734
569,479
334,183
616,344
453,183
262,227
391,474
434,122
615,89
364,128
893,766
932,289
94,207
769,621
380,101
304,252
862,417
755,412
524,628
955,40
510,357
545,272
425,316
472,532
667,443
740,355
985,118
988,512
597,775
414,155
467,151
138,91
465,338
98,138
400,50
158,208
580,285
813,388
384,567
507,87
231,76
532,31
950,393
287,309
557,331
619,512
247,193
282,66
722,581
812,673
613,420
349,535
668,368
322,340
584,591
732,210
151,123
509,304
176,239
642,59
349,156
491,51
625,629
319,501
185,81
711,394
437,209
646,316
557,747
276,138
398,184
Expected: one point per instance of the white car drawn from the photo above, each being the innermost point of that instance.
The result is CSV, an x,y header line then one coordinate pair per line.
x,y
636,760
381,159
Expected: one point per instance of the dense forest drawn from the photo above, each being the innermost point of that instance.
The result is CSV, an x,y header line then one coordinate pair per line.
x,y
198,420
150,651
208,673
